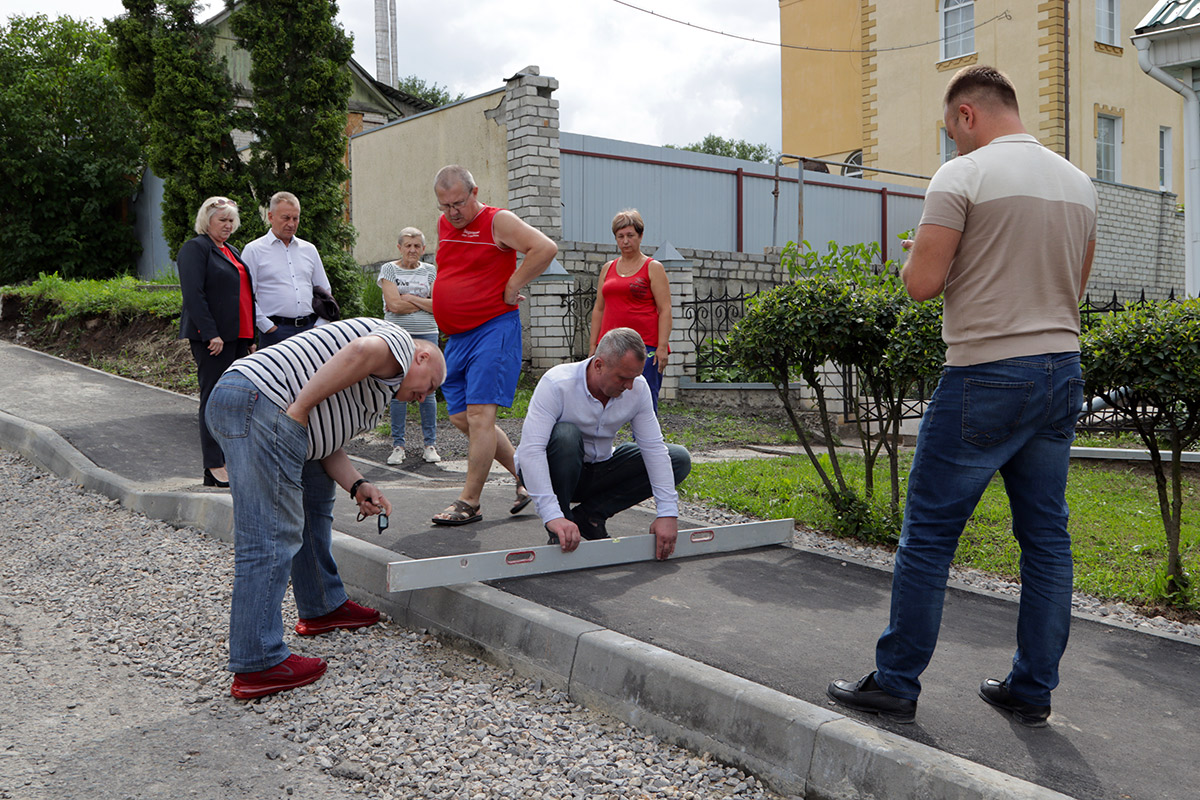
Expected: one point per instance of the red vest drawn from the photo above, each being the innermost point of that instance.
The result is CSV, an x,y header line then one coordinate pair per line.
x,y
629,303
472,273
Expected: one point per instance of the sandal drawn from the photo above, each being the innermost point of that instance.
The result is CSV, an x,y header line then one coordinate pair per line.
x,y
523,499
459,513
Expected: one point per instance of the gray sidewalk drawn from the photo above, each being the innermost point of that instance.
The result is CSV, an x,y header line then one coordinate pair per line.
x,y
729,654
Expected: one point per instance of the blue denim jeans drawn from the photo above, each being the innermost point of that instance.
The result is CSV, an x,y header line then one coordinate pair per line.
x,y
606,487
428,406
652,375
282,522
1016,417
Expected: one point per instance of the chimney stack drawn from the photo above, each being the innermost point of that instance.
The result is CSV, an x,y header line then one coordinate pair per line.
x,y
385,42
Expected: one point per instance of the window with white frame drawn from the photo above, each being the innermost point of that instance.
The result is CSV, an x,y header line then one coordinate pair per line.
x,y
949,149
853,165
1108,21
1108,148
1164,159
958,28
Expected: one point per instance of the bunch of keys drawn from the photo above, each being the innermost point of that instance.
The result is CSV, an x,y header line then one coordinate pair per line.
x,y
382,520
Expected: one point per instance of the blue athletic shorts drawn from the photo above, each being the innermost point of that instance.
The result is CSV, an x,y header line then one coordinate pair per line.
x,y
483,364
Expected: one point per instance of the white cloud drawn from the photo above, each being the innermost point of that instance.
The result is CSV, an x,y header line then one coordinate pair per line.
x,y
623,74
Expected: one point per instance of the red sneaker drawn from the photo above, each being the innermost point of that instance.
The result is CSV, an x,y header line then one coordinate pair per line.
x,y
292,672
348,615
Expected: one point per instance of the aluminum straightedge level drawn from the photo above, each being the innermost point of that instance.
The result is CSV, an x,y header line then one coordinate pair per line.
x,y
426,573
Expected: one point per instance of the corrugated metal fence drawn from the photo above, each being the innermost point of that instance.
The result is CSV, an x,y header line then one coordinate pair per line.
x,y
714,203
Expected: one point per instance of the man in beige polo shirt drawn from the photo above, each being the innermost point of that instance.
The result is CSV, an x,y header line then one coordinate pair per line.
x,y
1007,237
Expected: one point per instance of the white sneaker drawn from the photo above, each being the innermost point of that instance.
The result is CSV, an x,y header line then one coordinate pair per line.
x,y
397,456
431,455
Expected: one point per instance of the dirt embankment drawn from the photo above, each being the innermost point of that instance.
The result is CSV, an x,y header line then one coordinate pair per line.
x,y
144,348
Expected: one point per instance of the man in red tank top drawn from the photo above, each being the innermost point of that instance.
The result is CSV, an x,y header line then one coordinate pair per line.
x,y
475,303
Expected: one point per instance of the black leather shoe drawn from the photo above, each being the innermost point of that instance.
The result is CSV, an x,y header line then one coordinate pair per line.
x,y
589,529
865,695
210,480
591,526
996,693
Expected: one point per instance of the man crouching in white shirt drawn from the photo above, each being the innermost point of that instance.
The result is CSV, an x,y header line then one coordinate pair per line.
x,y
566,453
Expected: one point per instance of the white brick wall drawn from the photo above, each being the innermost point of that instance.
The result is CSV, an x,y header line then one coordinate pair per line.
x,y
1139,244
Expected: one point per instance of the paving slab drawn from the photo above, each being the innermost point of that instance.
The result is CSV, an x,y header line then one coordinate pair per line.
x,y
1126,722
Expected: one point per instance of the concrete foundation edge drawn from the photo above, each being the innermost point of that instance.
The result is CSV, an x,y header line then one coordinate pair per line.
x,y
793,746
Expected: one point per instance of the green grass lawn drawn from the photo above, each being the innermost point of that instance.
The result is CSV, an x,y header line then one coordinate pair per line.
x,y
1116,531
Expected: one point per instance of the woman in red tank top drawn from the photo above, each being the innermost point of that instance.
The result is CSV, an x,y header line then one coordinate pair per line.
x,y
633,293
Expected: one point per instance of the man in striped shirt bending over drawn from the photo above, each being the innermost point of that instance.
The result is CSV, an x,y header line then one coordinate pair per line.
x,y
282,416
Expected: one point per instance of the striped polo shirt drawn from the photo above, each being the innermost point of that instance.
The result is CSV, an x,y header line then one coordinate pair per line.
x,y
281,371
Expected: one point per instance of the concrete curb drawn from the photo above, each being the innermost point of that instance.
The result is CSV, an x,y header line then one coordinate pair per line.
x,y
793,746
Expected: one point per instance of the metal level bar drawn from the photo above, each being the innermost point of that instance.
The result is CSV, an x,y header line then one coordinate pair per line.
x,y
426,573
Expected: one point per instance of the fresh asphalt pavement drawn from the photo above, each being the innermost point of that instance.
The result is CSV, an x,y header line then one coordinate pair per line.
x,y
1125,722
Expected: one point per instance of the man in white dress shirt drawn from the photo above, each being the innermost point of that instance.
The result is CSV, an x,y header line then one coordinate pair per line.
x,y
566,453
284,268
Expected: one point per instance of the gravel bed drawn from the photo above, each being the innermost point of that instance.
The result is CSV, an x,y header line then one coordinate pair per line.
x,y
398,715
810,539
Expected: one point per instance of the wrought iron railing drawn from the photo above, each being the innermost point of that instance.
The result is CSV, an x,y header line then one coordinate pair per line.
x,y
713,316
577,314
711,319
1104,419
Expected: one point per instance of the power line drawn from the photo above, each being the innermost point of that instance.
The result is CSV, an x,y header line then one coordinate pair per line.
x,y
1002,15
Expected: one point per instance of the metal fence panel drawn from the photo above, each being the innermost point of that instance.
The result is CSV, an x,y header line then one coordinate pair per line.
x,y
691,199
837,209
679,203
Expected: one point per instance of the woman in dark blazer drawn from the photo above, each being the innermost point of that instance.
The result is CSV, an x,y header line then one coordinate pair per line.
x,y
218,311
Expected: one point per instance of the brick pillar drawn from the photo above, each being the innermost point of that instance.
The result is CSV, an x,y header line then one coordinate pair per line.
x,y
549,338
534,180
680,277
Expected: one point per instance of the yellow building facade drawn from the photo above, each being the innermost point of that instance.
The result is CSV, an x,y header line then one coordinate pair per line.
x,y
868,76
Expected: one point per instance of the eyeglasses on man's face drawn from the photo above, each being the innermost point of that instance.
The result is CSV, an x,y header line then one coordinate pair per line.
x,y
446,208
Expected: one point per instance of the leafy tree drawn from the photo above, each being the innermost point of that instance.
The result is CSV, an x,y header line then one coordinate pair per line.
x,y
134,51
298,119
730,148
844,312
895,348
70,150
1145,363
168,65
431,91
301,91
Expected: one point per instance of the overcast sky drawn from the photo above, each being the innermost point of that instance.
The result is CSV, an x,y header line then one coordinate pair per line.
x,y
622,74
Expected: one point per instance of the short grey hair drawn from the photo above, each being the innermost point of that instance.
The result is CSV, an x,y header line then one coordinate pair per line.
x,y
411,233
453,175
210,207
283,197
629,218
619,341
